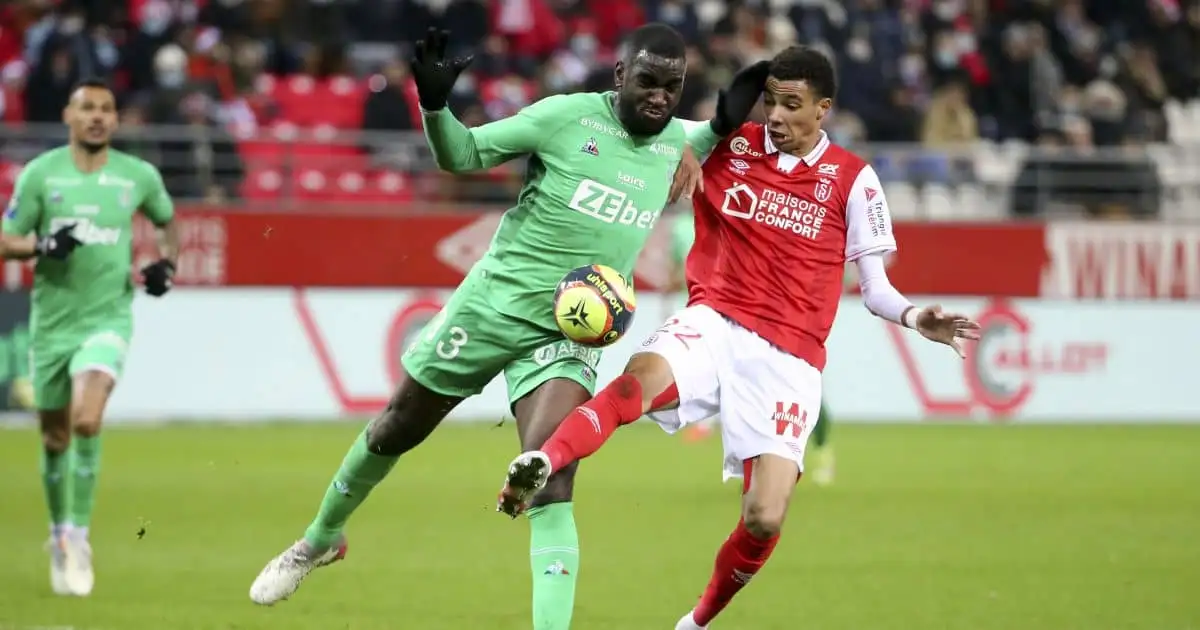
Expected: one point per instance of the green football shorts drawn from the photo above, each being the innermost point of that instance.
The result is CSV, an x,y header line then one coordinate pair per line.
x,y
469,342
53,362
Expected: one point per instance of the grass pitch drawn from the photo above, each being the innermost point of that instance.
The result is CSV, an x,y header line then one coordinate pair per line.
x,y
928,527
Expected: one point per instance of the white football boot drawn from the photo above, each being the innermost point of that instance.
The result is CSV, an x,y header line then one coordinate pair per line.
x,y
57,547
80,577
689,623
527,474
283,574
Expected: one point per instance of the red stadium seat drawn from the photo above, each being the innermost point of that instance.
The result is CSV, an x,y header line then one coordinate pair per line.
x,y
8,176
263,184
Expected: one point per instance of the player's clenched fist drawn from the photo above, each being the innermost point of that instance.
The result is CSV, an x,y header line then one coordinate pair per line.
x,y
58,245
432,72
158,277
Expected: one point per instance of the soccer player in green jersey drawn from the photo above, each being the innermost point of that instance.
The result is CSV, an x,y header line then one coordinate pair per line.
x,y
601,167
72,211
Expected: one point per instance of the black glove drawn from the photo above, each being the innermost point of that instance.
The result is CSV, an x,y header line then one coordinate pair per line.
x,y
157,277
58,245
735,102
433,73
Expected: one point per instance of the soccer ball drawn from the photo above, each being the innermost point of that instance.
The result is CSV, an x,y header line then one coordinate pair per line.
x,y
594,305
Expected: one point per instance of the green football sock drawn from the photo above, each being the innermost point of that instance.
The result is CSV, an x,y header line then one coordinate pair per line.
x,y
554,561
361,471
56,481
84,468
824,424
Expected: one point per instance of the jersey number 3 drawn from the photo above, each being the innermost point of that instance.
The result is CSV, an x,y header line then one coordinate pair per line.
x,y
451,342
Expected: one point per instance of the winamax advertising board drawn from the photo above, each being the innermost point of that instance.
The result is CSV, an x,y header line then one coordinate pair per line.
x,y
1093,324
251,354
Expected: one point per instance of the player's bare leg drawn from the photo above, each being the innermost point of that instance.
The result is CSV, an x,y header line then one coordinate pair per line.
x,y
647,385
553,539
90,390
767,491
413,412
55,426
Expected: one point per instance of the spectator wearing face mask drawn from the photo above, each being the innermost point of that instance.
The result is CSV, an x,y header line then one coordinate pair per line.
x,y
155,27
61,50
171,83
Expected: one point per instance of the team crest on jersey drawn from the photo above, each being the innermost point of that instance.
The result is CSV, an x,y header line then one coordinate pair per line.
x,y
590,147
823,190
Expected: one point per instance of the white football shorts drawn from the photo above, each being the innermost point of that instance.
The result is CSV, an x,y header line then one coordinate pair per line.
x,y
768,399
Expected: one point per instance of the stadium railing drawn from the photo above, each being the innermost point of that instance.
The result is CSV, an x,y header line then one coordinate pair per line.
x,y
331,170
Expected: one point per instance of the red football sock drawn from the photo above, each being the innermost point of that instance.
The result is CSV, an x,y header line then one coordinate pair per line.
x,y
590,425
739,559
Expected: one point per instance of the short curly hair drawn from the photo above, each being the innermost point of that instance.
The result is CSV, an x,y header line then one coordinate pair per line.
x,y
801,63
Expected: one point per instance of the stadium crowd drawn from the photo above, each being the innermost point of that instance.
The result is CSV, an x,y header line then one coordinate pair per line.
x,y
942,74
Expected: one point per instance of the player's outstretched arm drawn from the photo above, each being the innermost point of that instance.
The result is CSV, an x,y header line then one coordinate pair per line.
x,y
458,149
455,148
869,239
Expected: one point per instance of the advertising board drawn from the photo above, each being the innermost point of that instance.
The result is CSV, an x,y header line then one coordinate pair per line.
x,y
16,392
249,354
1092,260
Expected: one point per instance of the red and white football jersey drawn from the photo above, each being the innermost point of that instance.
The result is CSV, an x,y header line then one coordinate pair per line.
x,y
774,232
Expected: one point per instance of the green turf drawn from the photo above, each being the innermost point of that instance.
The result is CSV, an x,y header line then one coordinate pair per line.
x,y
928,527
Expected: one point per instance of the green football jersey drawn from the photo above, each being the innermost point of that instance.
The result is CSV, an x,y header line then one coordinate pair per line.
x,y
683,234
94,286
592,195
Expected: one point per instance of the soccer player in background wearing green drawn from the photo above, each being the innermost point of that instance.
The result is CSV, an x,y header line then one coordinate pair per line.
x,y
683,234
72,211
600,170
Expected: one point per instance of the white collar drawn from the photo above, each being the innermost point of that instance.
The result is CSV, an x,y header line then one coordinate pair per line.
x,y
809,159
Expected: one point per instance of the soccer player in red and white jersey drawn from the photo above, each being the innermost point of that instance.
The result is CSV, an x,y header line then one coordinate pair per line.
x,y
782,210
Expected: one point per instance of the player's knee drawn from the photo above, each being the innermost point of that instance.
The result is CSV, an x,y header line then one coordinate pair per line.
x,y
764,518
86,426
559,488
654,374
56,439
55,428
389,434
411,415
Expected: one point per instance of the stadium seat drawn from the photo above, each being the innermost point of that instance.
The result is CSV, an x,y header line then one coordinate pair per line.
x,y
263,184
902,200
938,203
8,176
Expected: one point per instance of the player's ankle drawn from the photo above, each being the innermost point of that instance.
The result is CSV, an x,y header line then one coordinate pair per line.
x,y
557,454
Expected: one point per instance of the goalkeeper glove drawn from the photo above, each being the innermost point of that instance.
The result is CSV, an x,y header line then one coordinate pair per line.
x,y
58,245
735,102
158,276
432,72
